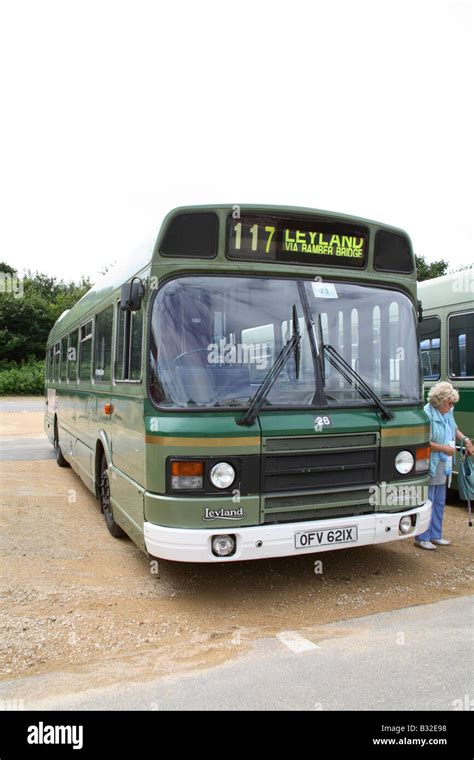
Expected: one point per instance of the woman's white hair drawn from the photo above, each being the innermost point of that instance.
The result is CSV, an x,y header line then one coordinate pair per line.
x,y
442,392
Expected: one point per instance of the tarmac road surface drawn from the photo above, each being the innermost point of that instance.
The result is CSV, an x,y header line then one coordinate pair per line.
x,y
27,448
417,658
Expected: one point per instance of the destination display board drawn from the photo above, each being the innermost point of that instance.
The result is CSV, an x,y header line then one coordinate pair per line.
x,y
287,240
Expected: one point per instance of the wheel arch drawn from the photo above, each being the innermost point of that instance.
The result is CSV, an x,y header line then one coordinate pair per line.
x,y
102,447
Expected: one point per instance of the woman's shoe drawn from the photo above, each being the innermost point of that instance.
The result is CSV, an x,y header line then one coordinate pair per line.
x,y
425,544
440,541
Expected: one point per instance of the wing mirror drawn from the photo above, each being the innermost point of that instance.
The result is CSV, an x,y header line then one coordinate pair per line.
x,y
420,311
131,294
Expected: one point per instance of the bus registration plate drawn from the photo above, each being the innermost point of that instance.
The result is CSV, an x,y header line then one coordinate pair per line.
x,y
307,538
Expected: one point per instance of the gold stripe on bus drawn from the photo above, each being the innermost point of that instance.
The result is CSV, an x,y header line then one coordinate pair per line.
x,y
168,441
406,431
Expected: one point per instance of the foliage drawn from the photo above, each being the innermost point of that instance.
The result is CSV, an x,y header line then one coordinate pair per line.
x,y
24,379
4,267
25,321
425,271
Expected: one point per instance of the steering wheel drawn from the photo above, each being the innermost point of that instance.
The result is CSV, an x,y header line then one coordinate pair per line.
x,y
189,353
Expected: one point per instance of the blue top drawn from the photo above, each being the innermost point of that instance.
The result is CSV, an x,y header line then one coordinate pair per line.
x,y
442,430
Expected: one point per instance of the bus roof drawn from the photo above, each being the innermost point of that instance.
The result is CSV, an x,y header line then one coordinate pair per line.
x,y
105,285
449,290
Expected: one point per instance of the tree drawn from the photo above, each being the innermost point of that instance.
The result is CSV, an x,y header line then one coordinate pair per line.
x,y
425,271
25,321
6,268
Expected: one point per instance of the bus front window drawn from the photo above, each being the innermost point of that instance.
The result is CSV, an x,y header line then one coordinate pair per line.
x,y
374,331
214,339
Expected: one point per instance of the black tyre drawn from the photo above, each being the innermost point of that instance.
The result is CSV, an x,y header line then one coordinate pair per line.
x,y
105,503
59,454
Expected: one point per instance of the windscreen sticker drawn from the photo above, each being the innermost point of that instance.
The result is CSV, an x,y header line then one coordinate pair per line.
x,y
324,289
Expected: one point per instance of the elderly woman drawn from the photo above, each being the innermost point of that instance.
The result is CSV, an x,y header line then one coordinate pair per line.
x,y
443,435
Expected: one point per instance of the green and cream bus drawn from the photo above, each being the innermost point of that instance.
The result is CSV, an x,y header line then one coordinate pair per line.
x,y
447,341
247,386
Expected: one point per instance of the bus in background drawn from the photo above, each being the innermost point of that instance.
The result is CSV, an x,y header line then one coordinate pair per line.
x,y
248,386
447,341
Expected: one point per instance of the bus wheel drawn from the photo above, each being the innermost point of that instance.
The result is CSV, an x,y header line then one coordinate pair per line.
x,y
59,454
105,503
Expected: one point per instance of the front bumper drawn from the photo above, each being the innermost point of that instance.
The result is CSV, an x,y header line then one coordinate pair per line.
x,y
264,541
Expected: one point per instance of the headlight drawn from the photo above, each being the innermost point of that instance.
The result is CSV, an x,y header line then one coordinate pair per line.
x,y
223,546
405,525
404,462
222,475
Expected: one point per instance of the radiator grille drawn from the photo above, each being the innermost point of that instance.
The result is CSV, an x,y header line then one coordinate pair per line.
x,y
315,443
318,477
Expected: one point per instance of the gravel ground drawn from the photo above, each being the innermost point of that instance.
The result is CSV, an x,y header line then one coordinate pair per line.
x,y
77,602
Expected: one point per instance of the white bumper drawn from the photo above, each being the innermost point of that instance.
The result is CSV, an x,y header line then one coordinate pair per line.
x,y
264,541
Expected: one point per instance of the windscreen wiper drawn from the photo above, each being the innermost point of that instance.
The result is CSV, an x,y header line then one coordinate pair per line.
x,y
315,342
260,396
353,378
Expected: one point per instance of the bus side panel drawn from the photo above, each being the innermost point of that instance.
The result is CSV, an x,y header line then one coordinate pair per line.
x,y
127,431
70,407
49,412
82,441
127,505
464,409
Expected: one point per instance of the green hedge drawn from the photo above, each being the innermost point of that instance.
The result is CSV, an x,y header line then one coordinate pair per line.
x,y
22,379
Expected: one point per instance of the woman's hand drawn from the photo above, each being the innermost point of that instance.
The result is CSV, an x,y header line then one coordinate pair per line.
x,y
469,446
449,451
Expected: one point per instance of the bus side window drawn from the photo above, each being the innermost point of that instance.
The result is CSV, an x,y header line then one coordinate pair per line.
x,y
430,336
128,351
57,362
63,359
72,357
461,345
136,330
103,345
49,367
85,352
